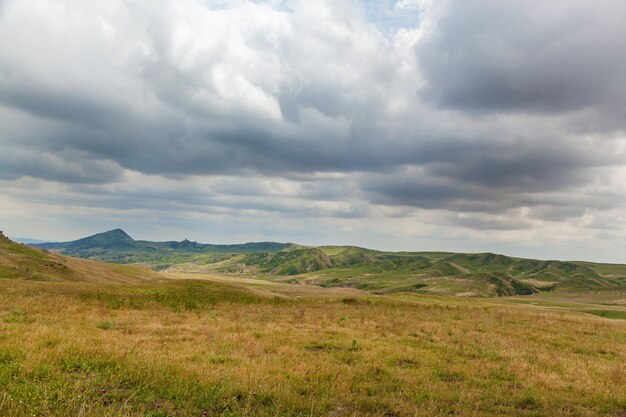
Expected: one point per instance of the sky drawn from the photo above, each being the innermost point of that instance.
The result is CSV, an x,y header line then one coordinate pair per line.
x,y
396,125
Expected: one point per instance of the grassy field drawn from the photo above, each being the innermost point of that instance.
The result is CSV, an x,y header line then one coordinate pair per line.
x,y
206,346
84,338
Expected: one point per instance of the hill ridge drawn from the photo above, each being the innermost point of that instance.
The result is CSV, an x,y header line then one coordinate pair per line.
x,y
471,274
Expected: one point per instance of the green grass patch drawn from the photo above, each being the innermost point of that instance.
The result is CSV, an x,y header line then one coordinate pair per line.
x,y
184,295
609,314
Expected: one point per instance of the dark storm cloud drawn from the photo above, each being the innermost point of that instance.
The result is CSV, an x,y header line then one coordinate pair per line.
x,y
557,175
528,56
425,192
479,221
538,169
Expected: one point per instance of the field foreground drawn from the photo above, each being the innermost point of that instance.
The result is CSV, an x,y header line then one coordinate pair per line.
x,y
190,347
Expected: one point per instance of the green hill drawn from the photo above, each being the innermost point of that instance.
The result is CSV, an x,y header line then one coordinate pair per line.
x,y
483,274
477,274
296,262
18,261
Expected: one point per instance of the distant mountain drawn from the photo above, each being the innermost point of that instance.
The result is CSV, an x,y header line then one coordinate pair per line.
x,y
117,246
113,239
28,240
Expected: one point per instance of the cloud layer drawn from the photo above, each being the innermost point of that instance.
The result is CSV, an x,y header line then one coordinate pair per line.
x,y
412,124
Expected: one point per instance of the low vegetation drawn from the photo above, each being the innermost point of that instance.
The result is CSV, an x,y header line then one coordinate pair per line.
x,y
194,344
185,348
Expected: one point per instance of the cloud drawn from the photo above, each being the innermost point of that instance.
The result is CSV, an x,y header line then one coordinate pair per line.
x,y
488,118
190,89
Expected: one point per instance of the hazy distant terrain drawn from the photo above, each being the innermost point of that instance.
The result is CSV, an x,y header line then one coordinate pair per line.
x,y
27,240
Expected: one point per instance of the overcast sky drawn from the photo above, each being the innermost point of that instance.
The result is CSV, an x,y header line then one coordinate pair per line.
x,y
481,125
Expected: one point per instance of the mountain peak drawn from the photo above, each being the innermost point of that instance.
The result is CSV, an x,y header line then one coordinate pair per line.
x,y
116,233
187,244
113,238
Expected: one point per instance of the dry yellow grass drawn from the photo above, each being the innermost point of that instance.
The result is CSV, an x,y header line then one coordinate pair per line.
x,y
19,261
189,347
270,288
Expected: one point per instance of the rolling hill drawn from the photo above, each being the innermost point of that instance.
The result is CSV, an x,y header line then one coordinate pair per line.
x,y
474,275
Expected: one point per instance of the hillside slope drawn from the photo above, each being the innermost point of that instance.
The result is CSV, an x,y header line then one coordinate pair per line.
x,y
18,261
483,274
